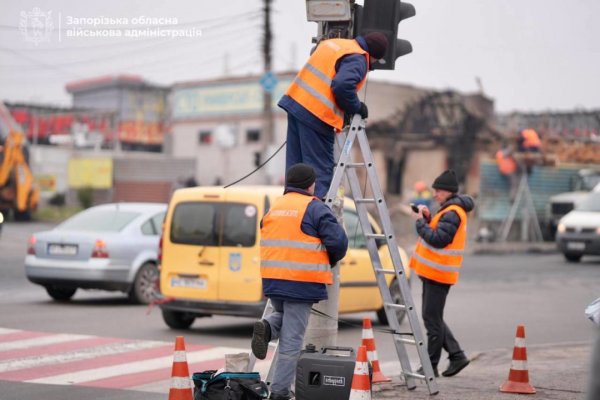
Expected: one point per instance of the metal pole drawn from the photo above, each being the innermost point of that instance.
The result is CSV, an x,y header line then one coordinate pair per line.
x,y
268,123
322,331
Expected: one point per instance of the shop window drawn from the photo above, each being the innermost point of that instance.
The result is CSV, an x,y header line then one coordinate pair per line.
x,y
252,135
205,137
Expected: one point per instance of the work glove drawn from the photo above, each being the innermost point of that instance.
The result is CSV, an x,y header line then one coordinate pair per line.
x,y
364,111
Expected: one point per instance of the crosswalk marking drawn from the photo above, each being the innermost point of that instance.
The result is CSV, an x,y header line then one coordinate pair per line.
x,y
82,354
40,341
132,367
94,361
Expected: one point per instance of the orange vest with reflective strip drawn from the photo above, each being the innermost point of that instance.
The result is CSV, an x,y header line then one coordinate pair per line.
x,y
312,86
288,253
442,265
506,165
530,139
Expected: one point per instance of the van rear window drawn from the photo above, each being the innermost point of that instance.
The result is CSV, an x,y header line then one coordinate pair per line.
x,y
214,224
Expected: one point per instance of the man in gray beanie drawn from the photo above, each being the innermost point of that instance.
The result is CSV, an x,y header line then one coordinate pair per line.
x,y
437,260
323,95
300,241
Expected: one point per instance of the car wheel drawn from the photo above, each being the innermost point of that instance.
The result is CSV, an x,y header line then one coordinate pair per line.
x,y
60,293
397,298
573,257
177,319
143,290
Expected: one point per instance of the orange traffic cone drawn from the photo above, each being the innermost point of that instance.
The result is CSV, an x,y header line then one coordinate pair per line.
x,y
518,376
361,387
181,388
368,340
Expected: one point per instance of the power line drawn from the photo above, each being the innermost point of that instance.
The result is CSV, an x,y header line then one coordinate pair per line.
x,y
144,49
247,16
191,23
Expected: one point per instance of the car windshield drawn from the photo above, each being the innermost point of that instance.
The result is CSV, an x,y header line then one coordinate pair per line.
x,y
590,203
590,181
99,220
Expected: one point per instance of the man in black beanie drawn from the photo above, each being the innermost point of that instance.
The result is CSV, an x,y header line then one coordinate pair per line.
x,y
300,241
323,95
437,261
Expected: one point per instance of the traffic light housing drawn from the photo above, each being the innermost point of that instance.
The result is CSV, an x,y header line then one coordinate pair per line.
x,y
384,16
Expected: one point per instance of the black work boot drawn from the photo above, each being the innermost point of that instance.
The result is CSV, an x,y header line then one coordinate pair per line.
x,y
261,336
456,366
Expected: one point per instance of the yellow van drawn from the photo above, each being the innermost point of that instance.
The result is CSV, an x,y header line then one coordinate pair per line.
x,y
210,256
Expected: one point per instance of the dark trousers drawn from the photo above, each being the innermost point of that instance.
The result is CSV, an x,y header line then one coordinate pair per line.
x,y
439,335
304,145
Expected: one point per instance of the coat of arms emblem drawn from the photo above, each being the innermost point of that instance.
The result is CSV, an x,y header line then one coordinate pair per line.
x,y
36,25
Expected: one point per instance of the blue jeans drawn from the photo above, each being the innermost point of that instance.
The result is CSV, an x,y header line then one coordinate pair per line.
x,y
288,323
304,145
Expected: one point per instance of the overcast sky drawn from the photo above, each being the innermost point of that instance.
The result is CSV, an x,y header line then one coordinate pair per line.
x,y
530,55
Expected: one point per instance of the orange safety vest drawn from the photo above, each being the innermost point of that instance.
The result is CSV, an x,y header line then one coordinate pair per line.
x,y
288,253
442,265
530,139
506,164
312,86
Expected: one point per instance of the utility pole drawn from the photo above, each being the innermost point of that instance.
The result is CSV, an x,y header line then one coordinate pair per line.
x,y
268,134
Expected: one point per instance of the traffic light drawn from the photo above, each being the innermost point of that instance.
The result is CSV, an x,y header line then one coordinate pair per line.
x,y
384,16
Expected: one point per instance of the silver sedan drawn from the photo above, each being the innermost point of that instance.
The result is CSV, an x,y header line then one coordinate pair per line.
x,y
108,247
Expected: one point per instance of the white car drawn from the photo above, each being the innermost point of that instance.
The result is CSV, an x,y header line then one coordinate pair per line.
x,y
578,232
107,247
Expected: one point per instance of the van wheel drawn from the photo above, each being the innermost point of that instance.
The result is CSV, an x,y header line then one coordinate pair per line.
x,y
60,293
397,298
143,290
573,257
177,319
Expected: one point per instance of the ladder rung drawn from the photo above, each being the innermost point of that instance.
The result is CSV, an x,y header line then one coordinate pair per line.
x,y
355,165
406,341
415,375
374,236
394,305
371,201
386,271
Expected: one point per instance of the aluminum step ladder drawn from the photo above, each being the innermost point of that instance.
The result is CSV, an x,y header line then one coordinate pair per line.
x,y
346,166
523,203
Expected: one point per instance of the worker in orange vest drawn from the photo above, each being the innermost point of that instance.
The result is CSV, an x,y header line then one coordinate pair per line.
x,y
323,95
529,141
508,168
437,261
300,241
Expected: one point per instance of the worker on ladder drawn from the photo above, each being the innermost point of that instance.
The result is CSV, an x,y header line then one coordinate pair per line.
x,y
437,261
323,95
300,240
508,168
530,147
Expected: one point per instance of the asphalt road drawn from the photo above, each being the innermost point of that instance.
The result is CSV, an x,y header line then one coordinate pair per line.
x,y
494,295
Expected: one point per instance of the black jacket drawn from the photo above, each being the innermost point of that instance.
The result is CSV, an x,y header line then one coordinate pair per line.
x,y
447,226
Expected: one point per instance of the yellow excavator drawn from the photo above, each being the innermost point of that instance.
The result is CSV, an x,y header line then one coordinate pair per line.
x,y
18,193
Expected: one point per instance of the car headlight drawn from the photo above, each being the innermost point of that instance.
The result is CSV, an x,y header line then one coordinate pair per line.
x,y
561,228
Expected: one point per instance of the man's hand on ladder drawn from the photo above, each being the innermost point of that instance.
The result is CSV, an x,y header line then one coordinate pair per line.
x,y
364,111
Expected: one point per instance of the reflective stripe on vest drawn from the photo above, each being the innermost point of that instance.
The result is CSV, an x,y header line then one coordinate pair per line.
x,y
311,88
288,253
442,265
